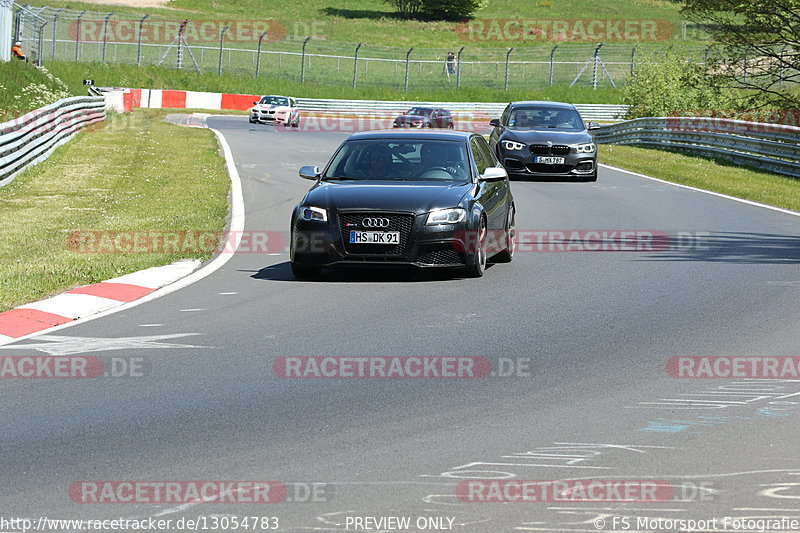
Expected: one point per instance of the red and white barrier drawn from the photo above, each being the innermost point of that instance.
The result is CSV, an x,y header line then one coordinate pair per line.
x,y
123,100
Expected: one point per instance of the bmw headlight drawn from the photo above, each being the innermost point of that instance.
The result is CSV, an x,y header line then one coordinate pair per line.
x,y
446,216
513,145
314,213
585,148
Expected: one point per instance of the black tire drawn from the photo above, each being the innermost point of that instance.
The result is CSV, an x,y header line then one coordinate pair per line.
x,y
296,124
301,271
507,255
253,121
478,266
590,177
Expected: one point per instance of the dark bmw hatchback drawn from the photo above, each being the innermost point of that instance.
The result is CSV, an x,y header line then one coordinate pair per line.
x,y
544,139
400,197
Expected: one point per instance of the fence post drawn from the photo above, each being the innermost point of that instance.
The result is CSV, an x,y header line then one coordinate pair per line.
x,y
408,54
78,35
508,54
105,35
258,59
355,65
783,66
139,41
552,57
40,44
458,68
221,41
744,71
633,60
55,26
303,61
595,61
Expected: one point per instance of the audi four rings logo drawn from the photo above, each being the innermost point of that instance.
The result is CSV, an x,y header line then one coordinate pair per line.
x,y
375,222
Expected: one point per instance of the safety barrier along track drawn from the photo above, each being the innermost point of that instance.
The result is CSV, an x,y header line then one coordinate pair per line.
x,y
31,138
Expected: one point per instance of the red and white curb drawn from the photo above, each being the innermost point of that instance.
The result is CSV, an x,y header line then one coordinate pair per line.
x,y
89,300
111,296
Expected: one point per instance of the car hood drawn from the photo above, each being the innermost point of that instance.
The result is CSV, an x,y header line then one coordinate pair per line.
x,y
271,106
542,136
411,118
417,197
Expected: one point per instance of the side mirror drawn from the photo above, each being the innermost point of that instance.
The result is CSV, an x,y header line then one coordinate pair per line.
x,y
593,126
493,174
255,103
495,122
309,172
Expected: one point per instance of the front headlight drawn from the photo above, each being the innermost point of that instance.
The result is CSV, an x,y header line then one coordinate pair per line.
x,y
446,216
314,213
585,148
513,145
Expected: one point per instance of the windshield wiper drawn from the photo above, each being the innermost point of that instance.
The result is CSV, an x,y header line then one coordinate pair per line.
x,y
341,178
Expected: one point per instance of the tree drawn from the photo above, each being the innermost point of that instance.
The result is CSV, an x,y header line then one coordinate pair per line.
x,y
758,45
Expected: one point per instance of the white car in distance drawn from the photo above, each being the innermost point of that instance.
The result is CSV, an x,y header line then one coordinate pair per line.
x,y
275,110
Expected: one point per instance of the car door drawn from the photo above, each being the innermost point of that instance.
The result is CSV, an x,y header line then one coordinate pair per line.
x,y
488,191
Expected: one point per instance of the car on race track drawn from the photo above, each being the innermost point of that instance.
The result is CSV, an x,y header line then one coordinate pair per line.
x,y
430,199
425,117
275,110
544,139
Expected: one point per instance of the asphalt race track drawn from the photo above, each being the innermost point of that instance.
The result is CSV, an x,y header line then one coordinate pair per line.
x,y
595,328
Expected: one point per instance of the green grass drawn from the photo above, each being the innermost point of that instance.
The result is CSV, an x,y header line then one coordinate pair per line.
x,y
152,177
703,173
24,88
167,78
374,22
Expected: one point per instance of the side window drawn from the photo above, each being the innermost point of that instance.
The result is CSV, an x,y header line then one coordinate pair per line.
x,y
504,117
482,161
491,160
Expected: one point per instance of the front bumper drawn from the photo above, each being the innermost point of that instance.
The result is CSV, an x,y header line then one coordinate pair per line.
x,y
521,162
269,118
326,243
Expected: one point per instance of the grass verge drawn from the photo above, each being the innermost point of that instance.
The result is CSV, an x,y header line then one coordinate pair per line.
x,y
713,175
149,77
24,88
132,174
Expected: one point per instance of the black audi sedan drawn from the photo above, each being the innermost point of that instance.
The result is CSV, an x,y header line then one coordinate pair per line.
x,y
425,117
402,197
544,139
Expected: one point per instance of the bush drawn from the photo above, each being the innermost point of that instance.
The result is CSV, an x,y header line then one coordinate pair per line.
x,y
451,9
667,84
406,8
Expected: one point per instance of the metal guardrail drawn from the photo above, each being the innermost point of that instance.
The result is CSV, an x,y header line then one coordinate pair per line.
x,y
599,112
770,147
31,138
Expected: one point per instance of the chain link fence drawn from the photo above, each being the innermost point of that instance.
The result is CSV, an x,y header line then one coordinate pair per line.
x,y
263,51
29,29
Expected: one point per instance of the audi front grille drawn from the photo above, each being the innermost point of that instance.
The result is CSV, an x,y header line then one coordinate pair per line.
x,y
401,223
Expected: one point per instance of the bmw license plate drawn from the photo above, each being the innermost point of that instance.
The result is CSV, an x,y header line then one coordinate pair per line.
x,y
374,237
549,160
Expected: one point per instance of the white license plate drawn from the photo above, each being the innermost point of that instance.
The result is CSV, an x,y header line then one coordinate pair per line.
x,y
374,237
549,160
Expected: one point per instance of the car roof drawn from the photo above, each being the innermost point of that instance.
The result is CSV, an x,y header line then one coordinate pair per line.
x,y
442,135
542,103
275,96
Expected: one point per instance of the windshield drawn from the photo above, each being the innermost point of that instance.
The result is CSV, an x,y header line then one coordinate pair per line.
x,y
420,111
402,160
539,118
274,100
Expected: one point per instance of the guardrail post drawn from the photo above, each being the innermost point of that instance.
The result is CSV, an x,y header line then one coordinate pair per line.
x,y
78,35
552,59
221,42
105,35
508,54
258,57
355,65
55,26
595,61
139,40
408,54
303,61
458,68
